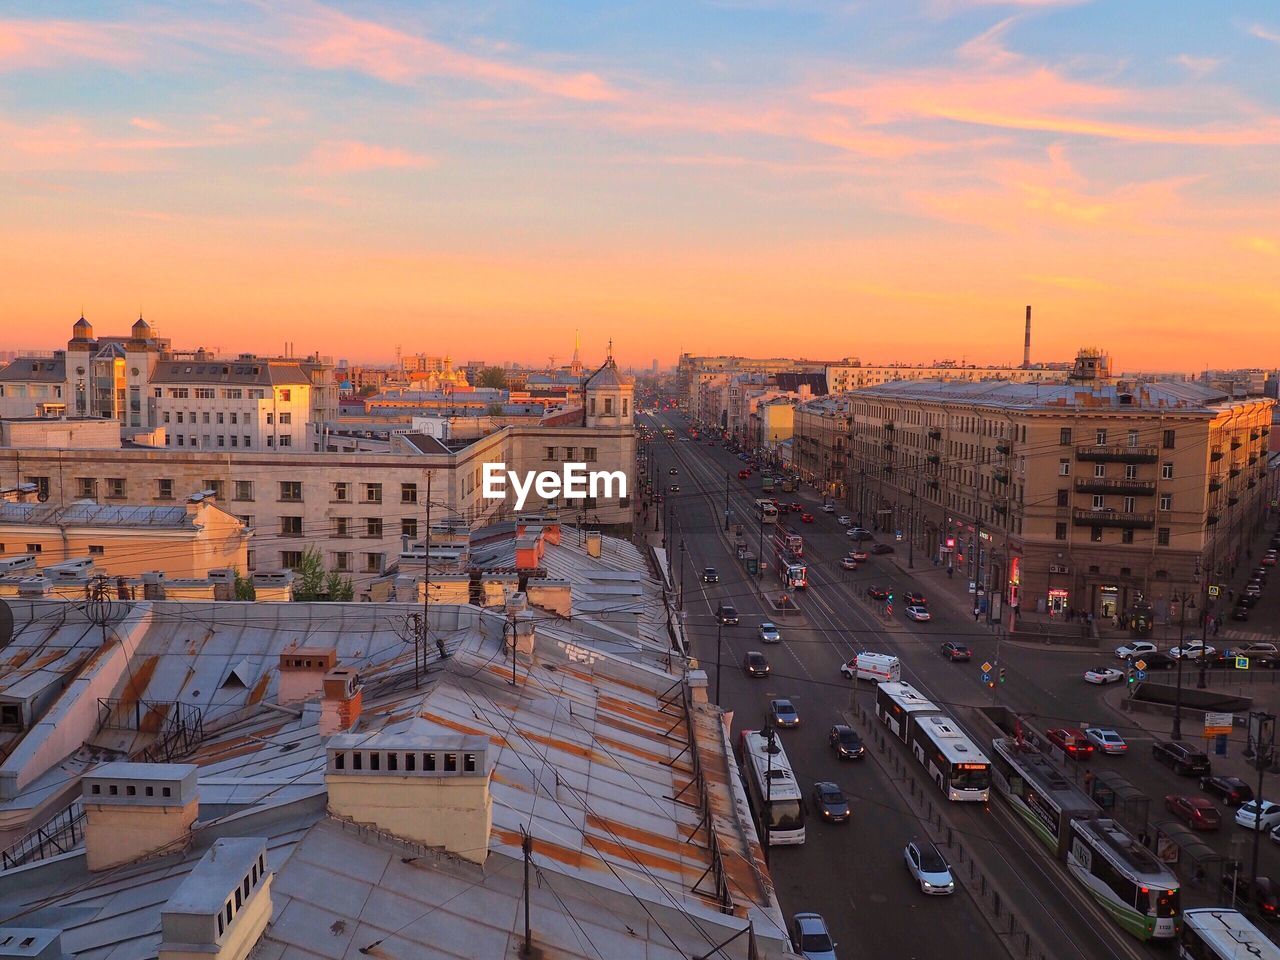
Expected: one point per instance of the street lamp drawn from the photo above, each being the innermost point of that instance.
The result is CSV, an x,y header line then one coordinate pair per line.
x,y
1183,599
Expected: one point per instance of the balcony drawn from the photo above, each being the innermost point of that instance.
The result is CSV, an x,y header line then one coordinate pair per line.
x,y
1132,488
1211,519
1215,484
1102,453
1253,434
933,458
935,433
888,425
1253,459
1111,518
1215,456
1003,448
1233,472
933,484
1235,444
888,445
1232,501
1002,476
1252,483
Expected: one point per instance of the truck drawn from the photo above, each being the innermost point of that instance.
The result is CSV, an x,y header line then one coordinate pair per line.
x,y
877,667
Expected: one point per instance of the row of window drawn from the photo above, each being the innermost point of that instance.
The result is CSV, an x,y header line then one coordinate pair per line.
x,y
371,527
588,455
1168,438
189,416
227,393
1126,535
342,561
220,440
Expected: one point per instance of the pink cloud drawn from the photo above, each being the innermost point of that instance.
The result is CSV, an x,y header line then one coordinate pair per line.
x,y
1264,33
335,157
46,43
142,123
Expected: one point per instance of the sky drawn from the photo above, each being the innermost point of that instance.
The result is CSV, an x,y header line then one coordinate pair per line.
x,y
887,181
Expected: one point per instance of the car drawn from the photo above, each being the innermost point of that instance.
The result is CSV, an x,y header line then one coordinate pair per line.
x,y
1230,790
755,664
783,713
1270,559
859,533
877,593
673,488
828,508
1259,654
1196,812
768,633
1258,815
710,575
848,563
1240,612
1071,742
1253,589
859,556
744,474
1157,661
846,743
1193,649
919,614
1262,889
956,652
929,868
1103,675
1248,600
830,802
810,939
1183,758
806,518
727,614
674,472
795,507
914,599
1259,574
1107,740
1138,648
882,548
844,520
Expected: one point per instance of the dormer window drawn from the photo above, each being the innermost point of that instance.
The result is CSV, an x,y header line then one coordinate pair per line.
x,y
608,406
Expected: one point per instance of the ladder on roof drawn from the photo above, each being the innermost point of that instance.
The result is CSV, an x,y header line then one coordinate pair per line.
x,y
62,834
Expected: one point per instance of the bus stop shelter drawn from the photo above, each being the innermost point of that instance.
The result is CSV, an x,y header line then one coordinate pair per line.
x,y
1197,863
1121,799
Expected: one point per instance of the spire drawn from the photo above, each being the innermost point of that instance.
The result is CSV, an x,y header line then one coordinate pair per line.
x,y
609,355
577,344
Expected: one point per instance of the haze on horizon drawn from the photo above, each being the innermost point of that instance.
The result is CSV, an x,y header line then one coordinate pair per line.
x,y
825,179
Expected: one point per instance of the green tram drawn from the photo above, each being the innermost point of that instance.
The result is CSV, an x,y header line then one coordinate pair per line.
x,y
1136,889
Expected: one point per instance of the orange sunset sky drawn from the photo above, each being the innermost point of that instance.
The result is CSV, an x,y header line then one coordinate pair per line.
x,y
885,181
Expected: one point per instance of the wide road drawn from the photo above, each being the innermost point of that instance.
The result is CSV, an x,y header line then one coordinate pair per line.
x,y
853,874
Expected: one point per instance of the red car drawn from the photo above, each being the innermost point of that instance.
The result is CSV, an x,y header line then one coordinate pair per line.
x,y
795,507
806,518
744,474
860,555
1070,741
1196,812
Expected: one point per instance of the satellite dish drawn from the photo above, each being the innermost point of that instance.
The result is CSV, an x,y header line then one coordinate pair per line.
x,y
6,623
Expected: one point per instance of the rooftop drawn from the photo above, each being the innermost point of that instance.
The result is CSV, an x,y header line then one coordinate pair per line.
x,y
1165,395
239,372
86,513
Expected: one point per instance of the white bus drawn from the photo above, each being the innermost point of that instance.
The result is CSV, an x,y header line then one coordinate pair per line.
x,y
1219,933
766,511
952,760
772,786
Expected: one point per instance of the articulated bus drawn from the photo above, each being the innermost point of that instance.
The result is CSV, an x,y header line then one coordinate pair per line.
x,y
953,761
1220,933
775,795
766,511
1131,884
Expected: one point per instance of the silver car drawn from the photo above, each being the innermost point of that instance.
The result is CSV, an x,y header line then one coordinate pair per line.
x,y
810,938
769,633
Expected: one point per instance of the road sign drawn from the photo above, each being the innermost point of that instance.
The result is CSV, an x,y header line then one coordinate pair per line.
x,y
986,666
1140,665
1242,663
1213,589
986,676
1216,724
1141,674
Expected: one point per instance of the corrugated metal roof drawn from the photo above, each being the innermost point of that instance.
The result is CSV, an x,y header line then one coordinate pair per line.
x,y
89,514
1184,396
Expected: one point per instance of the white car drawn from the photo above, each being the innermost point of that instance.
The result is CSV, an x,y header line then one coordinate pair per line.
x,y
1106,740
929,868
828,508
768,633
844,520
848,563
1103,675
1194,650
1139,648
918,613
1248,815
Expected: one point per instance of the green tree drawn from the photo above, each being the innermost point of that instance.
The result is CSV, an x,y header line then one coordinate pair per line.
x,y
311,582
495,409
244,587
494,377
339,588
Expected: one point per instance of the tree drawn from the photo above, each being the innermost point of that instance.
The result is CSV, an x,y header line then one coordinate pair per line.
x,y
368,390
495,409
494,377
339,588
244,587
311,582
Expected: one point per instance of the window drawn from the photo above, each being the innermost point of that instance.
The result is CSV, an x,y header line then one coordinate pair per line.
x,y
42,486
342,526
87,488
271,418
375,760
589,454
1131,471
246,442
409,527
166,416
222,418
178,393
568,453
550,454
342,492
180,415
164,489
1129,504
408,493
1099,502
1126,535
1064,468
204,393
608,406
290,526
286,419
625,409
244,489
291,559
291,490
285,396
373,493
1060,531
342,562
1167,441
1162,536
1133,438
96,550
285,441
115,488
1100,470
1064,436
1100,437
1095,534
216,486
373,527
373,562
1166,501
1064,498
34,548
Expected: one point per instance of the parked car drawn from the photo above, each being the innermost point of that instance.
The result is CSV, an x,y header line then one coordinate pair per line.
x,y
1231,790
783,713
768,633
710,575
915,599
1196,812
848,563
844,520
1240,612
1102,675
1193,649
1135,649
828,508
1262,891
744,474
755,664
806,518
830,802
1183,758
810,938
860,533
1071,742
1107,740
1158,661
956,652
882,548
859,556
1258,815
1248,600
846,743
727,614
929,868
919,614
877,593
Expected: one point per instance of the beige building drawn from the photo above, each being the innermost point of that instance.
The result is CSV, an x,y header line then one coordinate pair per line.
x,y
842,377
1081,495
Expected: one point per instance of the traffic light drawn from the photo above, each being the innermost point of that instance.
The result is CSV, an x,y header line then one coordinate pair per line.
x,y
1002,675
889,598
1128,675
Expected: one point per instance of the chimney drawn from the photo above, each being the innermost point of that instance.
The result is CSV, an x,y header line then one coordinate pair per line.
x,y
593,543
431,789
133,810
1026,342
302,672
221,909
342,702
548,594
698,685
31,943
529,551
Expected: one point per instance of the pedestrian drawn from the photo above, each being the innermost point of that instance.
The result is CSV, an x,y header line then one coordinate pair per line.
x,y
975,613
1217,621
1231,596
1088,782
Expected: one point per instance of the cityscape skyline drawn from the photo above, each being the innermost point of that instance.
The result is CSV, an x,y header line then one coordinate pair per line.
x,y
676,179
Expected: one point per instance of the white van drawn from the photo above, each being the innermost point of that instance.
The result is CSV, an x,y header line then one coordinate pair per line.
x,y
877,667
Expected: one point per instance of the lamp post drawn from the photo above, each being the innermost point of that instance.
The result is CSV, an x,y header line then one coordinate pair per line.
x,y
719,639
911,531
1182,598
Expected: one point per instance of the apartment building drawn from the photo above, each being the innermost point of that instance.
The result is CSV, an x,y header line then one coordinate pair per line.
x,y
1082,495
843,377
248,404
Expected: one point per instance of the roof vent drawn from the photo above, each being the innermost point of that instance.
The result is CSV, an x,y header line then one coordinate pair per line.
x,y
343,700
31,943
133,810
220,910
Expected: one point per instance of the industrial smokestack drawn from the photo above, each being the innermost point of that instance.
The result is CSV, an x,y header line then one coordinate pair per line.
x,y
1026,342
